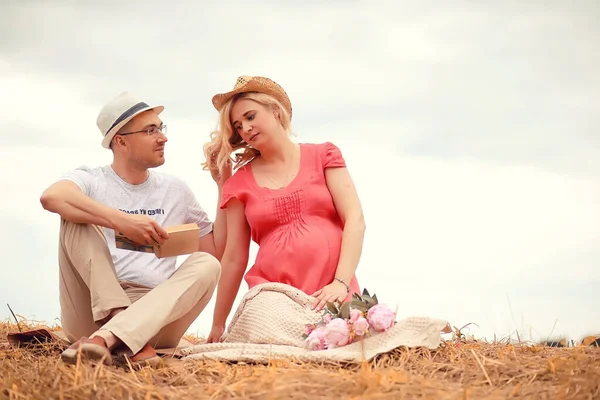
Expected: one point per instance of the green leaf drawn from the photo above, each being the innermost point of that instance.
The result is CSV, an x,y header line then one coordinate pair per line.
x,y
345,311
332,308
360,306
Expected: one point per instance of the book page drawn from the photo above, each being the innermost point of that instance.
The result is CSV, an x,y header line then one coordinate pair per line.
x,y
124,243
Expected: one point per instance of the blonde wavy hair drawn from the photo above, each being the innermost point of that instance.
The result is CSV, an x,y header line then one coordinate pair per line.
x,y
225,140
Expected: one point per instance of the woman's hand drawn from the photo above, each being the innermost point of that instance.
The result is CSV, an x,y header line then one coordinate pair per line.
x,y
215,334
221,176
335,291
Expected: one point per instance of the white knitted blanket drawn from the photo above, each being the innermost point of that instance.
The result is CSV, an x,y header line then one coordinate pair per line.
x,y
270,321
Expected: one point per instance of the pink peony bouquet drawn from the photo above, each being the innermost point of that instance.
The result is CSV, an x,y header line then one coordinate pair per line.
x,y
345,323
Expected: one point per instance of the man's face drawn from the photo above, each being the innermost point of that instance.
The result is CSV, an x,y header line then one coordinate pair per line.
x,y
146,146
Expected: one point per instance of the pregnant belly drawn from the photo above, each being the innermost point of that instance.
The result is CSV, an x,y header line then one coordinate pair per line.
x,y
305,259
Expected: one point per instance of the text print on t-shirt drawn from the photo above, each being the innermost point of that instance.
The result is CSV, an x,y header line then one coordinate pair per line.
x,y
143,211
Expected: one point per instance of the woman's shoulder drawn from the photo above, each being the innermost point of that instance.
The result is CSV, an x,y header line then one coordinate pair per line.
x,y
319,146
238,179
236,187
328,153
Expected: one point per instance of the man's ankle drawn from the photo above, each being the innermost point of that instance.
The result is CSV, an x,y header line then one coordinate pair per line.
x,y
111,315
115,311
111,340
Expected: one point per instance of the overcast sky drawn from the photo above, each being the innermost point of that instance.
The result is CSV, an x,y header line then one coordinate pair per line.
x,y
472,132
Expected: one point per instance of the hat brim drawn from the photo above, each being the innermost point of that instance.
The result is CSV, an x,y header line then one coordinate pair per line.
x,y
109,136
257,84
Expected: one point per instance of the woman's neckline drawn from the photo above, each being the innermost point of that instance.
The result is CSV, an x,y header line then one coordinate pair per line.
x,y
286,187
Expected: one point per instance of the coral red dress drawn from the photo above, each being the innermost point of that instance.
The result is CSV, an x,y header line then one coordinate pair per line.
x,y
297,228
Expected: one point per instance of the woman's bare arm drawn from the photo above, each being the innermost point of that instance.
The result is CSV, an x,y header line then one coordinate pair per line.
x,y
234,263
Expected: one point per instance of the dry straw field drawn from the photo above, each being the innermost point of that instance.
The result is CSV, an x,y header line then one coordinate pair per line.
x,y
461,369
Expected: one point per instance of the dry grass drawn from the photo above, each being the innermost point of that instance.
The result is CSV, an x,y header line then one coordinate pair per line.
x,y
459,370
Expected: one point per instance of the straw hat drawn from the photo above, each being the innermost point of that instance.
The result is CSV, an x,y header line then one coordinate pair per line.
x,y
259,84
118,112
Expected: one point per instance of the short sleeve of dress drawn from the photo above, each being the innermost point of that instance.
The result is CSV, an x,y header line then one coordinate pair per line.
x,y
231,190
332,156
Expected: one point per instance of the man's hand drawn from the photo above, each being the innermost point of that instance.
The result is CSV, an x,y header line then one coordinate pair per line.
x,y
215,334
141,229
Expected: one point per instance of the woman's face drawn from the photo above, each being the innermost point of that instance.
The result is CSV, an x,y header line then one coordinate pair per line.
x,y
254,122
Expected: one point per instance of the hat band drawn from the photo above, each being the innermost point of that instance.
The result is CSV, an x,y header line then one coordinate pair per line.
x,y
127,114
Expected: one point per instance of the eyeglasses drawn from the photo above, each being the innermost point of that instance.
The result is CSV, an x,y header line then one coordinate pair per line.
x,y
153,130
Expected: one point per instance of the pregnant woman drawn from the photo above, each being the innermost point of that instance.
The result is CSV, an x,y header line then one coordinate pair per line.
x,y
296,201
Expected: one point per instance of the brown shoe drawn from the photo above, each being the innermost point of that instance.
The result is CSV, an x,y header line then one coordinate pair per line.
x,y
93,349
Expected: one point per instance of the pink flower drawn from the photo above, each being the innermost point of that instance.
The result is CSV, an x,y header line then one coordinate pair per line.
x,y
381,317
354,314
360,326
327,318
337,333
309,328
316,339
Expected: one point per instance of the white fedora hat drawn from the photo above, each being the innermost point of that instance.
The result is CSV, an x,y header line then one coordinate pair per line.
x,y
118,112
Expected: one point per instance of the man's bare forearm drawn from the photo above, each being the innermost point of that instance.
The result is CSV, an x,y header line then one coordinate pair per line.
x,y
67,200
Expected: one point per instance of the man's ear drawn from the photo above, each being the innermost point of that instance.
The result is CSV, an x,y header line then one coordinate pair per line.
x,y
118,139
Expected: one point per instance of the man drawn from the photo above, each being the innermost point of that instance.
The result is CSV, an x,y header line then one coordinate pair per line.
x,y
112,297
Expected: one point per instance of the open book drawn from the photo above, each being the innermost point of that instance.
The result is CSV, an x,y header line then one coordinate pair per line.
x,y
183,239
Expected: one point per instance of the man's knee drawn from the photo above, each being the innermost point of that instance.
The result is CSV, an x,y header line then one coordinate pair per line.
x,y
71,232
69,226
205,266
68,229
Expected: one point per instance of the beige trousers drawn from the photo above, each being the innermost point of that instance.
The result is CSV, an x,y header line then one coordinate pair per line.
x,y
89,290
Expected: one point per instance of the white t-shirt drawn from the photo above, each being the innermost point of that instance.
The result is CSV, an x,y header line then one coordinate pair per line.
x,y
165,198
